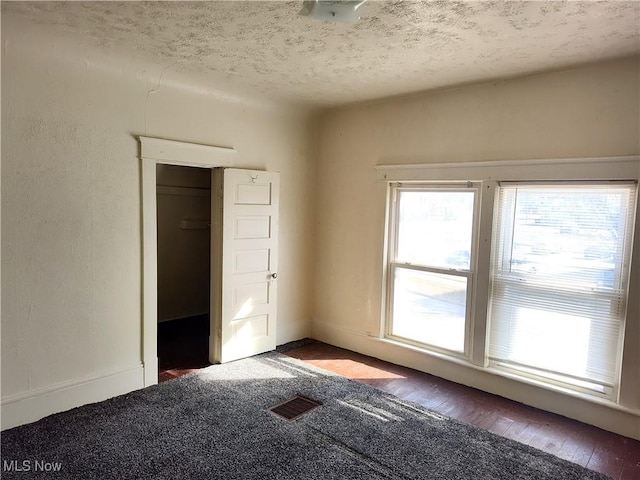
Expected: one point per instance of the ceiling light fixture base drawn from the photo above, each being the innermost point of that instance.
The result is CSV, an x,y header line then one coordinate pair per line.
x,y
345,11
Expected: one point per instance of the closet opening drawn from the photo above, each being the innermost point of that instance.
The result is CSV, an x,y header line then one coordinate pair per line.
x,y
183,215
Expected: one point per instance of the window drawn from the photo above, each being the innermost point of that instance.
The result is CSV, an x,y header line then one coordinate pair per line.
x,y
525,272
560,260
430,265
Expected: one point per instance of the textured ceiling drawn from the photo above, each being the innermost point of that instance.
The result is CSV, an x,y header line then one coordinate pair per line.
x,y
398,47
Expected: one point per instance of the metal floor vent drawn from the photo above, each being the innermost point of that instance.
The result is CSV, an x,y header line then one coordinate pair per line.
x,y
294,407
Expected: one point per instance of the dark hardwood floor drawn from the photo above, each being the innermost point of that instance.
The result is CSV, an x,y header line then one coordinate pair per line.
x,y
183,346
592,447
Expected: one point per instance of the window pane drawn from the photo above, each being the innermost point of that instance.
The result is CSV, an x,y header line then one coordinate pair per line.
x,y
535,328
558,289
430,308
435,228
571,235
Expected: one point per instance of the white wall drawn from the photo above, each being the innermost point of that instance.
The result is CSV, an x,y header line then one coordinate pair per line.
x,y
584,112
71,224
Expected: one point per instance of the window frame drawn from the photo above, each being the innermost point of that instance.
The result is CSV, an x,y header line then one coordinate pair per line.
x,y
395,189
488,174
522,282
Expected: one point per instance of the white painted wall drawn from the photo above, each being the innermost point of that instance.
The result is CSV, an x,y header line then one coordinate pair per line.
x,y
71,226
584,112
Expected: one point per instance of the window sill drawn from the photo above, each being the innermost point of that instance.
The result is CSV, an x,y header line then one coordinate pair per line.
x,y
497,372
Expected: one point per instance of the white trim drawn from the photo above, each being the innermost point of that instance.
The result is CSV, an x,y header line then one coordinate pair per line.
x,y
33,405
599,412
181,153
501,372
149,273
611,168
514,163
292,331
477,373
152,152
391,265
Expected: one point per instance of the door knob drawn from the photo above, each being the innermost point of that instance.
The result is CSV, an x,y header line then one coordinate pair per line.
x,y
274,275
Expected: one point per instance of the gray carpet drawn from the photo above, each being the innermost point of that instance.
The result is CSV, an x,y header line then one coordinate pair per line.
x,y
216,425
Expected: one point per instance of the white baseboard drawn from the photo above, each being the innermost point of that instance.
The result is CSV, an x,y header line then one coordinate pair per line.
x,y
606,415
293,332
151,371
33,405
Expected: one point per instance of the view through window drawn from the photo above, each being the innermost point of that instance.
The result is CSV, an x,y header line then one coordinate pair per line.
x,y
431,266
558,297
558,277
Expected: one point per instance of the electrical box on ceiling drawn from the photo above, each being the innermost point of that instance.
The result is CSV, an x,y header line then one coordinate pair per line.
x,y
346,11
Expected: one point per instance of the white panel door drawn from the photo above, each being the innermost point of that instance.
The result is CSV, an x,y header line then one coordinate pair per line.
x,y
244,256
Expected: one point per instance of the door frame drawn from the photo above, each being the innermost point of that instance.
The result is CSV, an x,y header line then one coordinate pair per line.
x,y
154,151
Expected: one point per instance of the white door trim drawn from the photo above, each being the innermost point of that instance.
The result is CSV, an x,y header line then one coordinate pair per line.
x,y
152,152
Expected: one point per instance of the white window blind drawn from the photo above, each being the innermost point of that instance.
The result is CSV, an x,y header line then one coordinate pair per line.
x,y
558,294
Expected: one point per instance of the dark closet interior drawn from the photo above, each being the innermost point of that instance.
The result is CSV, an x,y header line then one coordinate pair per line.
x,y
184,236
